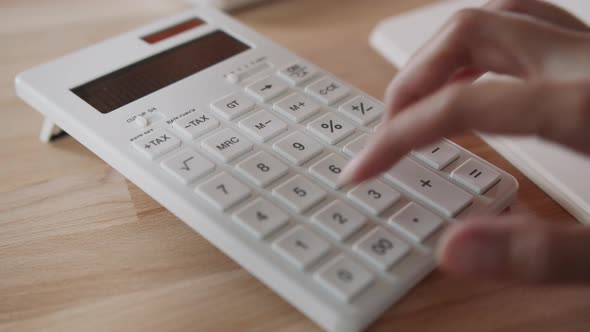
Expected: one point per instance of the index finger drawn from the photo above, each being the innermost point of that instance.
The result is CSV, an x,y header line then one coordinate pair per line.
x,y
557,111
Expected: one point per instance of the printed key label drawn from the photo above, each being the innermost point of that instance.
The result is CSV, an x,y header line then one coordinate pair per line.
x,y
329,89
361,107
381,246
297,70
159,140
345,275
198,121
232,104
228,143
297,106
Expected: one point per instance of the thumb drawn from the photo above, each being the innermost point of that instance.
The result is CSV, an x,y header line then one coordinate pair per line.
x,y
514,248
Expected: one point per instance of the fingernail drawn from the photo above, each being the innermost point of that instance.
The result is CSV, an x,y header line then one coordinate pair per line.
x,y
482,255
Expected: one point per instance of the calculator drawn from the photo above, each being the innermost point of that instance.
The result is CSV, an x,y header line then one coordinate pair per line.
x,y
244,141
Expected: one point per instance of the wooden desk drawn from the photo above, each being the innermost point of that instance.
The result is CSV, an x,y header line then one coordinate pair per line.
x,y
83,249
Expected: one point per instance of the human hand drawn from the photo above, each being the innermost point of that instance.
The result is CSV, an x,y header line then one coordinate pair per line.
x,y
548,49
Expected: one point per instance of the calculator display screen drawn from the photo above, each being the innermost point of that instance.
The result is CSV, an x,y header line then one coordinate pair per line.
x,y
139,79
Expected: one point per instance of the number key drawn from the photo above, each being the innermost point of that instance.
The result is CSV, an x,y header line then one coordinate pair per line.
x,y
339,220
344,277
374,196
301,247
223,191
381,248
261,218
262,169
299,194
297,148
328,170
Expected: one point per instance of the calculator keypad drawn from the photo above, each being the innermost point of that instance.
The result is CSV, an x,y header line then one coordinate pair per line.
x,y
339,220
226,145
262,169
156,144
437,155
382,248
261,218
328,90
232,106
416,222
374,196
263,126
362,110
223,191
267,88
196,124
188,166
475,176
328,170
330,128
297,107
429,187
301,247
299,194
345,278
297,148
283,193
357,145
297,73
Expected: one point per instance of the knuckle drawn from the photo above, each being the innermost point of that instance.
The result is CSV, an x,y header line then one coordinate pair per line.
x,y
572,123
450,105
508,4
467,20
536,256
452,97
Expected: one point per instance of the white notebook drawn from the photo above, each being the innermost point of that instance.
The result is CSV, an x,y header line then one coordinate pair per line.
x,y
562,173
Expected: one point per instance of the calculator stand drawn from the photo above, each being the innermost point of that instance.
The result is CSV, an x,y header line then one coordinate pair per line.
x,y
50,131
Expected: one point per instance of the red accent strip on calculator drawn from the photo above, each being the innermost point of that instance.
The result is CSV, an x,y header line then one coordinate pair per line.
x,y
172,31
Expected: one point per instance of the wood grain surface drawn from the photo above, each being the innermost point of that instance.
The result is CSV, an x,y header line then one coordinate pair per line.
x,y
83,249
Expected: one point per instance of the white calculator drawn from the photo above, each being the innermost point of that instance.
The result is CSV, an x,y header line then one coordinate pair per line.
x,y
244,141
